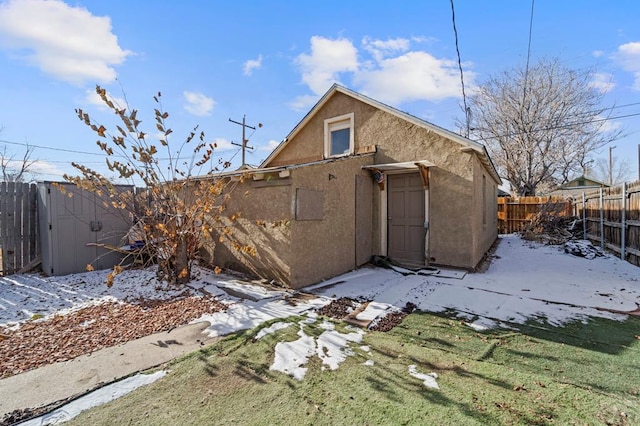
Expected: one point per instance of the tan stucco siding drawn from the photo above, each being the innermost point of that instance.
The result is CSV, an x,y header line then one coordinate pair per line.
x,y
321,249
462,219
450,182
262,221
485,211
450,228
308,143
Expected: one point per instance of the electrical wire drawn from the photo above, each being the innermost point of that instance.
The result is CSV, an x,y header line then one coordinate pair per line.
x,y
597,120
467,111
52,148
526,69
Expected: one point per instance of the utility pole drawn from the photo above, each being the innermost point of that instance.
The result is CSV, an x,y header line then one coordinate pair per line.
x,y
611,148
244,139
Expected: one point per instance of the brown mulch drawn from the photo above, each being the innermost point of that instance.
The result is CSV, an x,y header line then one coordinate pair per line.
x,y
342,307
388,322
339,308
64,337
392,319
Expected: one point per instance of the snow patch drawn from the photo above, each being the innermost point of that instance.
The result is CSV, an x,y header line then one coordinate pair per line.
x,y
429,380
332,347
374,310
93,399
272,329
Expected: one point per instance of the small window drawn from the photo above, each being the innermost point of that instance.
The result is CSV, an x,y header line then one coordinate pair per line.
x,y
338,136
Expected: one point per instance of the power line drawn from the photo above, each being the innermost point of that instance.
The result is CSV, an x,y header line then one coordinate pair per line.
x,y
467,111
24,144
597,120
526,69
28,145
51,148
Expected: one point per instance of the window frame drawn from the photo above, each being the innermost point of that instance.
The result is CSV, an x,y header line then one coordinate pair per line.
x,y
340,122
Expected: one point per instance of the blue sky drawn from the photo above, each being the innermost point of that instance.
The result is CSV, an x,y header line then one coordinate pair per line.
x,y
272,60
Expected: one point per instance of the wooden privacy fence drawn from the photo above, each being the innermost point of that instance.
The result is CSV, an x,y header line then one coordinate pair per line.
x,y
612,219
514,213
19,244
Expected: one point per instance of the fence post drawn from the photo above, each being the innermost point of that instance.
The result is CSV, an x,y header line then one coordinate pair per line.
x,y
623,232
601,219
3,227
584,216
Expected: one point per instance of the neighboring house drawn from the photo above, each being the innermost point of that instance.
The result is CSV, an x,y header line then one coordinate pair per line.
x,y
502,193
357,178
577,186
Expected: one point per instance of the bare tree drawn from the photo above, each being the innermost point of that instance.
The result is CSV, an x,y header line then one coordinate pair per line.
x,y
177,209
540,125
16,169
619,170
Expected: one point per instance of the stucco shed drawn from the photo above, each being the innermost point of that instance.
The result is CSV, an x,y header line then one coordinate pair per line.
x,y
357,178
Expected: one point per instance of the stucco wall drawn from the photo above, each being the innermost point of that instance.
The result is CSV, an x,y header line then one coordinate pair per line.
x,y
451,180
264,223
302,252
321,249
485,211
451,233
308,144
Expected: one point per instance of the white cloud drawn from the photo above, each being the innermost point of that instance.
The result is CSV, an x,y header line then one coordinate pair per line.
x,y
270,146
388,70
609,126
629,57
327,60
603,82
303,102
423,39
597,53
252,64
198,104
223,144
381,49
94,99
66,42
412,76
38,169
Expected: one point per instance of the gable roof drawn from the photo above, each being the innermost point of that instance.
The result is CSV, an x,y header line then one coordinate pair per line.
x,y
588,182
466,145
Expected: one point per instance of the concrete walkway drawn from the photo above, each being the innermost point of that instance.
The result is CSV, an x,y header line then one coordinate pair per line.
x,y
61,381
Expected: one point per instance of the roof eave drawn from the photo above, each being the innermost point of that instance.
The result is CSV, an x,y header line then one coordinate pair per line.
x,y
464,142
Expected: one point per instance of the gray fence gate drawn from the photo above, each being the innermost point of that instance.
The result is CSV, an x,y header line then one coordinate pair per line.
x,y
19,239
77,227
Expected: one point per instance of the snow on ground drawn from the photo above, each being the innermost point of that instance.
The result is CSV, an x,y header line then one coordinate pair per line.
x,y
332,347
24,296
429,380
248,314
272,329
93,399
525,280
